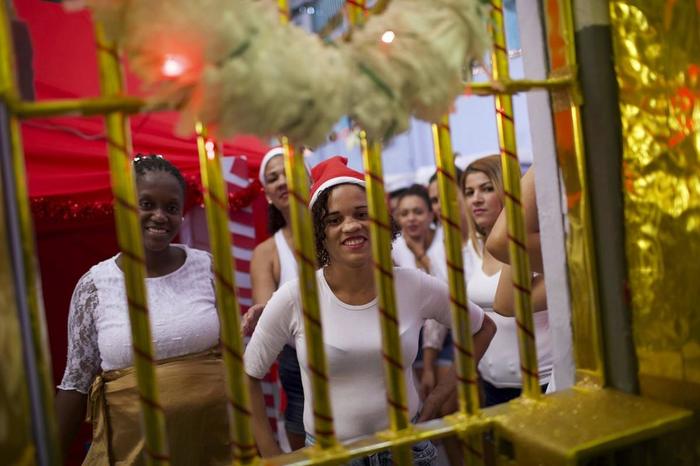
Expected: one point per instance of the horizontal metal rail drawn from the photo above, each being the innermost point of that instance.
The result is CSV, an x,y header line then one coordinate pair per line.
x,y
90,106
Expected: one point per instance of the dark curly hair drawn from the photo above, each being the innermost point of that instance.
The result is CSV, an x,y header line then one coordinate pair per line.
x,y
154,162
318,216
275,219
417,190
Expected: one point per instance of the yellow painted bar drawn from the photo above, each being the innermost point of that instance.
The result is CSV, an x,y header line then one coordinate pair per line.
x,y
32,278
380,231
131,104
305,253
566,114
514,213
450,214
514,86
131,244
243,446
77,107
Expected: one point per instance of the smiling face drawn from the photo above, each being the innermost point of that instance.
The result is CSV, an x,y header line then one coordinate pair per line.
x,y
346,227
483,201
276,183
160,204
414,217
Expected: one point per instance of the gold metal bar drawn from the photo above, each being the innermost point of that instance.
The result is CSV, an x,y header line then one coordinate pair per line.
x,y
133,261
243,446
130,104
432,430
517,242
513,86
380,231
450,215
76,107
305,253
32,278
586,326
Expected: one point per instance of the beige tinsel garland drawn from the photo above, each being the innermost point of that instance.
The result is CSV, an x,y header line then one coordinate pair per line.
x,y
242,72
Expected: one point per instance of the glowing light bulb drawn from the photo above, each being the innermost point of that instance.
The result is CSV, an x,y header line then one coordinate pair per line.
x,y
388,37
173,65
209,147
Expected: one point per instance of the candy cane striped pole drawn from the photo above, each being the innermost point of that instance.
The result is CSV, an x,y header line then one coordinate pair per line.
x,y
517,244
243,448
305,253
450,215
133,261
380,231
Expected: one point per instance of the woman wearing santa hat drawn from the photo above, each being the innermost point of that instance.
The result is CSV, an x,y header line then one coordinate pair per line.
x,y
272,265
349,311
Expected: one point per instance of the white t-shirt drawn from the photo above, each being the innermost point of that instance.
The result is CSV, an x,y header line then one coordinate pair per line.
x,y
182,313
403,257
352,341
500,365
433,332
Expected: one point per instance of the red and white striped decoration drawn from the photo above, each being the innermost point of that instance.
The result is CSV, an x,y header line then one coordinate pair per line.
x,y
242,228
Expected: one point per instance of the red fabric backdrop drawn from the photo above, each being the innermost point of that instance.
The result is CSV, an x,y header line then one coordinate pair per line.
x,y
67,163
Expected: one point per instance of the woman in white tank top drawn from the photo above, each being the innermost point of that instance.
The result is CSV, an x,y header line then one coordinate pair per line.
x,y
419,246
500,367
272,265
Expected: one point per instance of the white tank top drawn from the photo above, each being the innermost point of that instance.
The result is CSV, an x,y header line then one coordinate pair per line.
x,y
500,365
288,264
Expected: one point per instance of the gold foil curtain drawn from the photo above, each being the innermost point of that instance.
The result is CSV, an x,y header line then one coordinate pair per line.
x,y
657,60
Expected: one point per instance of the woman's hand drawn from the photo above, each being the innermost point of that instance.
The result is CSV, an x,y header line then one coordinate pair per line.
x,y
250,319
427,382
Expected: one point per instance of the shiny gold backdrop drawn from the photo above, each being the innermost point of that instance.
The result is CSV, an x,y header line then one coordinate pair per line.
x,y
657,55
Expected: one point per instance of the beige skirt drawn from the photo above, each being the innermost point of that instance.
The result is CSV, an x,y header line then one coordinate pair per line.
x,y
193,395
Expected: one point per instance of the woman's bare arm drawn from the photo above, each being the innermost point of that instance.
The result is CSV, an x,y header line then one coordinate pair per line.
x,y
504,302
497,241
71,407
263,283
444,395
261,426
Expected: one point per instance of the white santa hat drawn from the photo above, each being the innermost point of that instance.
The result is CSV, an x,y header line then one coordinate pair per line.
x,y
271,154
332,172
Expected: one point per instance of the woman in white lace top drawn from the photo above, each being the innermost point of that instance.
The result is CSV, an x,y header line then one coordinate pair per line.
x,y
184,327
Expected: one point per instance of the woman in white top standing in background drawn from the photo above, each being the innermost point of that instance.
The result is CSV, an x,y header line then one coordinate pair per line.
x,y
500,367
273,264
419,246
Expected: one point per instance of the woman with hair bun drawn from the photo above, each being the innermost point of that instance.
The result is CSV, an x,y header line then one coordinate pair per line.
x,y
185,332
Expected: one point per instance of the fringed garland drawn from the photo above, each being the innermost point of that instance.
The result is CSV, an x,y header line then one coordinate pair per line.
x,y
61,209
230,65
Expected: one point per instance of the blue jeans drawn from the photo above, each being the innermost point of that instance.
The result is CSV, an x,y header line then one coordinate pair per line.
x,y
290,376
424,454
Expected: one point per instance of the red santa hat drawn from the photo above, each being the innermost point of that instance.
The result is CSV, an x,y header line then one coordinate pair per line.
x,y
333,172
271,154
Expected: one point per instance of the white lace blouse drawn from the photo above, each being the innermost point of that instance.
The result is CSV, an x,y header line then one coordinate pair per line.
x,y
182,312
